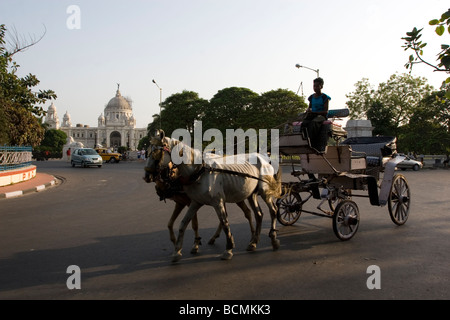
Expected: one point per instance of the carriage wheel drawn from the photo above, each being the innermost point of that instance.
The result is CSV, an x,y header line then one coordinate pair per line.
x,y
346,220
289,208
399,200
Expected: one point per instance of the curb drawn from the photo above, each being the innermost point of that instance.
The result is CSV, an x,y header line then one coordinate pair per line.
x,y
19,193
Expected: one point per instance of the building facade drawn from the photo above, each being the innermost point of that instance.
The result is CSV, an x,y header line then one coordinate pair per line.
x,y
116,126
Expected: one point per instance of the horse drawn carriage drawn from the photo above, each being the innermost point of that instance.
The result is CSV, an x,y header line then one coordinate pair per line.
x,y
335,171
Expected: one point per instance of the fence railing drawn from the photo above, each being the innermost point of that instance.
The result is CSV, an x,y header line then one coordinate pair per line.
x,y
14,157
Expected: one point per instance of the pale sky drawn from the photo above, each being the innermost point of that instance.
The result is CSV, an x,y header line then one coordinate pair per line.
x,y
208,45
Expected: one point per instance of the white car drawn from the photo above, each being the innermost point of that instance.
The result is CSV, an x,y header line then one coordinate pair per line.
x,y
409,163
86,157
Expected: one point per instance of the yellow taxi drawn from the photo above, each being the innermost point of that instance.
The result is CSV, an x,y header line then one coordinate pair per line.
x,y
109,156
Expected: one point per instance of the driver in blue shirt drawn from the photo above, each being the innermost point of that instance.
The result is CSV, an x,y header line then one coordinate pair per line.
x,y
316,114
318,102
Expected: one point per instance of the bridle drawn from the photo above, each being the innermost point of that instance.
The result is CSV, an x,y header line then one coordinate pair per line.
x,y
162,169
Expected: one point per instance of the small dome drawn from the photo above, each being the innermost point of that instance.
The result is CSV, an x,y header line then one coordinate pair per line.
x,y
52,107
101,117
118,103
66,115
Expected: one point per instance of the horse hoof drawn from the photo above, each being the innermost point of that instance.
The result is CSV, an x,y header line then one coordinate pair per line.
x,y
251,247
176,257
276,245
194,250
227,255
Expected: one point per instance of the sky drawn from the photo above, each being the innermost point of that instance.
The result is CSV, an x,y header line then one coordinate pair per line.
x,y
209,45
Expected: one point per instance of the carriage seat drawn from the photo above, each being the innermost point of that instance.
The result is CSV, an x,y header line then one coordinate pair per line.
x,y
295,142
334,128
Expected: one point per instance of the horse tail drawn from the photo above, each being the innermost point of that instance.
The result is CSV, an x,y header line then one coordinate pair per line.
x,y
277,177
274,184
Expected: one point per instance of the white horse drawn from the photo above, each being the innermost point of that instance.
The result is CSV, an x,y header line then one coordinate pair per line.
x,y
165,189
216,183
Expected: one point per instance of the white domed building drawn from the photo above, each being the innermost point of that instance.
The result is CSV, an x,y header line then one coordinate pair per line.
x,y
116,126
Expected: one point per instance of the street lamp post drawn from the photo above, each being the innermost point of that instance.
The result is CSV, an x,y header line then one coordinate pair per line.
x,y
160,103
315,70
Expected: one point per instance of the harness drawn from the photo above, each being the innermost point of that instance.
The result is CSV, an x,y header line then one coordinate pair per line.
x,y
204,168
198,173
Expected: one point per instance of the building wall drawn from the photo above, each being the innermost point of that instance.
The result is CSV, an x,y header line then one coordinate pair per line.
x,y
91,136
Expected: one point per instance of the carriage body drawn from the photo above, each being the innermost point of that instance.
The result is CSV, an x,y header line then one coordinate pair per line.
x,y
361,163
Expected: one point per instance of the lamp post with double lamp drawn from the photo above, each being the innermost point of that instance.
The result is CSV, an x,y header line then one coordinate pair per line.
x,y
160,102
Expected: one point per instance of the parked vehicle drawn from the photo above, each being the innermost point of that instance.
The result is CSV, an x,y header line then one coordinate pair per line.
x,y
109,156
410,163
86,157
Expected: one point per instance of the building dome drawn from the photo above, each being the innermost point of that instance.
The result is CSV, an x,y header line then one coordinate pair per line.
x,y
118,103
66,116
52,107
66,120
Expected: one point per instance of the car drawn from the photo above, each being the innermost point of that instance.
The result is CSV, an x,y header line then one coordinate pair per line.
x,y
109,156
410,163
86,157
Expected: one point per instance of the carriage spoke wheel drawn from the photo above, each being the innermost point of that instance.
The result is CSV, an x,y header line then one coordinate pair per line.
x,y
346,220
399,200
289,208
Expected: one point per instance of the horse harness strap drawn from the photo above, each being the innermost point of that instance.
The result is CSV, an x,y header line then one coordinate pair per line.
x,y
193,177
242,174
197,174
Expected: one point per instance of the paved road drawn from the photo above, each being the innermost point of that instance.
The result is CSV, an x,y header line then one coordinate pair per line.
x,y
112,225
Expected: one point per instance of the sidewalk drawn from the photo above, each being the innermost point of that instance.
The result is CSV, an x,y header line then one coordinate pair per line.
x,y
38,183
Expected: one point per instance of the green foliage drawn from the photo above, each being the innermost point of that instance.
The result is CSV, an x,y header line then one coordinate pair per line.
x,y
180,110
361,99
230,108
20,107
405,107
382,119
428,132
53,141
413,42
144,143
227,108
272,109
391,105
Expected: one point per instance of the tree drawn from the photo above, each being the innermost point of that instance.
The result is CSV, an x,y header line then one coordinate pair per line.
x,y
435,109
272,109
54,140
382,119
361,99
231,108
413,42
396,98
180,110
226,108
20,109
428,131
402,94
424,137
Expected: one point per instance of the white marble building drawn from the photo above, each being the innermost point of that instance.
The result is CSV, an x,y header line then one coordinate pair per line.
x,y
116,126
359,128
